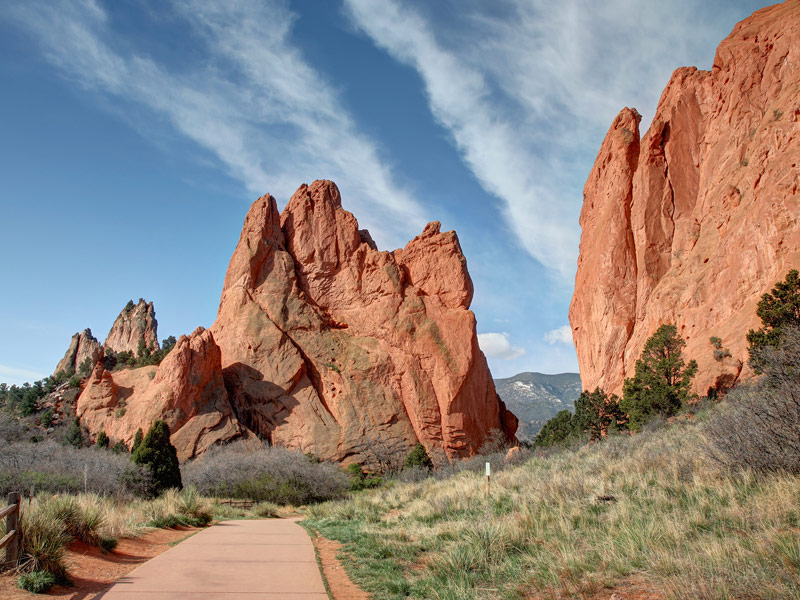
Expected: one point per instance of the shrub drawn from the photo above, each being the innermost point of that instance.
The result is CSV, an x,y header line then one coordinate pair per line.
x,y
264,473
51,468
758,427
158,454
662,380
419,458
74,381
47,418
108,544
119,448
74,435
36,582
778,309
102,440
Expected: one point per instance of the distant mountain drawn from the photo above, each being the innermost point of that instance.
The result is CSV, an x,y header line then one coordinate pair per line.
x,y
536,398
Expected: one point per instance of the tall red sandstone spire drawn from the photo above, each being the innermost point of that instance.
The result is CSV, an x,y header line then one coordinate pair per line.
x,y
694,222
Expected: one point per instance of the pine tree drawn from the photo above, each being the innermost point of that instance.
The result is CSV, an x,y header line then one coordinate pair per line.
x,y
662,381
561,429
419,458
160,456
597,413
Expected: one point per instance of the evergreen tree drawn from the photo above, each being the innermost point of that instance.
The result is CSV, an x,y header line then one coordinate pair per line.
x,y
102,440
777,309
74,435
419,458
560,429
137,439
119,448
160,456
597,413
662,379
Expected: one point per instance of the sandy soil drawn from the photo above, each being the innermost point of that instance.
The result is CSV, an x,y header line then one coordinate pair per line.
x,y
92,572
338,582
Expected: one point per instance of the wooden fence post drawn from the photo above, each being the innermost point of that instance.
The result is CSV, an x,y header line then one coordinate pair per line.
x,y
12,524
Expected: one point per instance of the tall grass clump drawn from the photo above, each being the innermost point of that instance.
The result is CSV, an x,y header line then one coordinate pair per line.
x,y
178,508
264,473
43,539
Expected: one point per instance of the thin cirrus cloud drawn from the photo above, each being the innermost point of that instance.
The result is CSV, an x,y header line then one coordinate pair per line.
x,y
497,345
527,88
265,113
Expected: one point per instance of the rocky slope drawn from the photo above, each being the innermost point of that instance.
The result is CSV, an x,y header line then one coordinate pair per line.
x,y
83,345
536,397
691,223
321,343
136,323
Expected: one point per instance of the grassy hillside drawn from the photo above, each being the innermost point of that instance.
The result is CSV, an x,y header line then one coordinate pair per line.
x,y
648,510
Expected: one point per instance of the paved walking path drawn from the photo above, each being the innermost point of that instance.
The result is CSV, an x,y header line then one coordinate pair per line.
x,y
253,560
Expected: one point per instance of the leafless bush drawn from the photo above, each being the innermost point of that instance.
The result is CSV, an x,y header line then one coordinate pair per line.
x,y
758,425
50,467
264,473
384,456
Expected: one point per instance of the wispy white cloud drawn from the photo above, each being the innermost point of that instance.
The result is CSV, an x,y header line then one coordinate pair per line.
x,y
527,88
254,102
16,376
497,345
559,335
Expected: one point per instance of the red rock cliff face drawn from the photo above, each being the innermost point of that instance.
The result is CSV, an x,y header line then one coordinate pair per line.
x,y
82,346
321,343
136,323
330,346
693,222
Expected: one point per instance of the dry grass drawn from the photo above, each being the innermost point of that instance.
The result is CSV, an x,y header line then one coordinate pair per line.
x,y
571,524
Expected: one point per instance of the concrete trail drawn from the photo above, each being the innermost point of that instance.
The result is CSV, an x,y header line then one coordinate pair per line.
x,y
253,560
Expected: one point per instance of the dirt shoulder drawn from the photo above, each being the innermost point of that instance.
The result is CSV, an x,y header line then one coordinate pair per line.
x,y
92,572
339,584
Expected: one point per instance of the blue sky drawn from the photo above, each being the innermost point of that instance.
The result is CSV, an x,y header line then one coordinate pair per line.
x,y
136,133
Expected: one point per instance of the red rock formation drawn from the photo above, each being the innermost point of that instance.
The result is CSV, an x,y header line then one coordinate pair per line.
x,y
136,323
186,390
333,347
692,224
82,346
321,343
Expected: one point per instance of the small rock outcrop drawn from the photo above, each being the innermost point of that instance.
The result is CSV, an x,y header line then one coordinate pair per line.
x,y
186,390
321,343
691,223
82,346
135,324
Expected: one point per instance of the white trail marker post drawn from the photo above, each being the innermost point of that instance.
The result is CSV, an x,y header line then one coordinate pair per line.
x,y
488,476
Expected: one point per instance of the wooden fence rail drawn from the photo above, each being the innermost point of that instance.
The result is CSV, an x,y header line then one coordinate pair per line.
x,y
10,540
237,503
